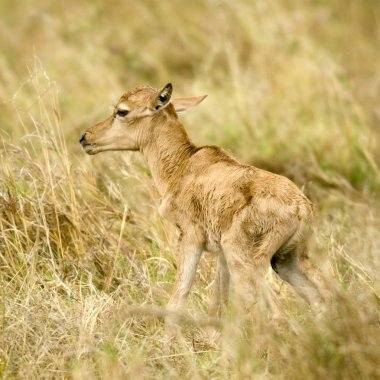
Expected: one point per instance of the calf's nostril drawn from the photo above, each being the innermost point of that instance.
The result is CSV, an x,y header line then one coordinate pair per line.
x,y
82,138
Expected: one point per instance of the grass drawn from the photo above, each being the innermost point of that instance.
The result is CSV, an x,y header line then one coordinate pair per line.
x,y
85,260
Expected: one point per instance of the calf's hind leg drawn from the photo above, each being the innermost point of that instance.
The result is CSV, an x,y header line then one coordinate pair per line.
x,y
285,263
248,265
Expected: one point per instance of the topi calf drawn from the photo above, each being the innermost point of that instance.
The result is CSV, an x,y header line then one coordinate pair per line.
x,y
249,217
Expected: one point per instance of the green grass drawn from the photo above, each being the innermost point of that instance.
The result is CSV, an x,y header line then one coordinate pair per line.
x,y
293,88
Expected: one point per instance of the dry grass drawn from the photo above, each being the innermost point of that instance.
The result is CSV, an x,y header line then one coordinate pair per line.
x,y
293,87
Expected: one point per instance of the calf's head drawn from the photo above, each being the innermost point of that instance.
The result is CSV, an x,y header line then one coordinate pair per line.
x,y
129,125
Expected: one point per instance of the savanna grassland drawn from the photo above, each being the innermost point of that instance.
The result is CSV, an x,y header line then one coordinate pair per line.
x,y
86,262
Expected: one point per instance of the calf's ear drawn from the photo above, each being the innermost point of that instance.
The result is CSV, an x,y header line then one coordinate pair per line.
x,y
182,104
161,98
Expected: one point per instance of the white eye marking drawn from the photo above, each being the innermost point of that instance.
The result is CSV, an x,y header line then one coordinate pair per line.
x,y
121,110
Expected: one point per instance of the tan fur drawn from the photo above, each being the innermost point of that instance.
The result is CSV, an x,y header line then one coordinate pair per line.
x,y
250,217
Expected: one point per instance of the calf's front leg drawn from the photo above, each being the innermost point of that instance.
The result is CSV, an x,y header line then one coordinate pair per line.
x,y
187,263
221,286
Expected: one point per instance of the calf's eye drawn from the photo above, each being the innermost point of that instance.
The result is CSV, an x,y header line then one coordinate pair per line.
x,y
122,113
